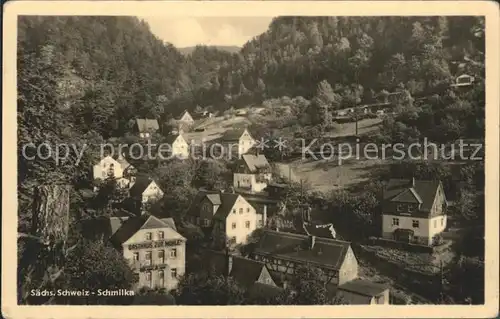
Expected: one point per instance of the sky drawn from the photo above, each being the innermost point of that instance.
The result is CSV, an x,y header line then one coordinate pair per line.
x,y
190,31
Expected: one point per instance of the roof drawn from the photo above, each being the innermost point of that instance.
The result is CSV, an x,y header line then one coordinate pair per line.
x,y
184,113
407,191
326,252
225,200
246,271
214,198
324,230
116,222
140,185
170,222
170,139
254,162
146,125
243,270
364,287
233,135
134,224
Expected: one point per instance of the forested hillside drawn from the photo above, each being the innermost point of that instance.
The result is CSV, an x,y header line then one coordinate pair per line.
x,y
378,53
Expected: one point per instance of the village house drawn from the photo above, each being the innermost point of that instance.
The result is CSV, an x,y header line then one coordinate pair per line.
x,y
251,274
186,118
147,127
237,141
253,172
413,211
179,147
284,252
229,216
144,190
117,168
154,249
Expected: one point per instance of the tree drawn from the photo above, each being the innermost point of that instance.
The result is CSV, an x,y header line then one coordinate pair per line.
x,y
205,289
93,265
157,297
308,287
211,174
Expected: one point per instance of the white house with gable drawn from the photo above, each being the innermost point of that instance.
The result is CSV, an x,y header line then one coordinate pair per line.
x,y
229,215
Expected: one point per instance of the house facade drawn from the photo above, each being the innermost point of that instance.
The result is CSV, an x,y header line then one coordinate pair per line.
x,y
179,147
229,216
186,118
144,190
147,127
156,252
106,168
413,211
253,173
237,142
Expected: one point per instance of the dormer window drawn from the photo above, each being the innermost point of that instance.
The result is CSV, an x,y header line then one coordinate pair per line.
x,y
149,236
411,208
161,235
399,207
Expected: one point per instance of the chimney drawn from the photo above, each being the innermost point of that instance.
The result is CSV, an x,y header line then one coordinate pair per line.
x,y
312,241
264,216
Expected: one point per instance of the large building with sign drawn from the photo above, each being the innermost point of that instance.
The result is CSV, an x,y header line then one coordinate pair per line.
x,y
154,248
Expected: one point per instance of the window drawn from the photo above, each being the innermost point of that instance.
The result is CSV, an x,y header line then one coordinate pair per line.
x,y
247,224
173,253
148,236
399,207
234,211
415,223
161,256
411,208
248,209
233,225
241,210
136,256
206,222
148,276
395,222
161,235
442,221
233,239
173,272
161,277
148,255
